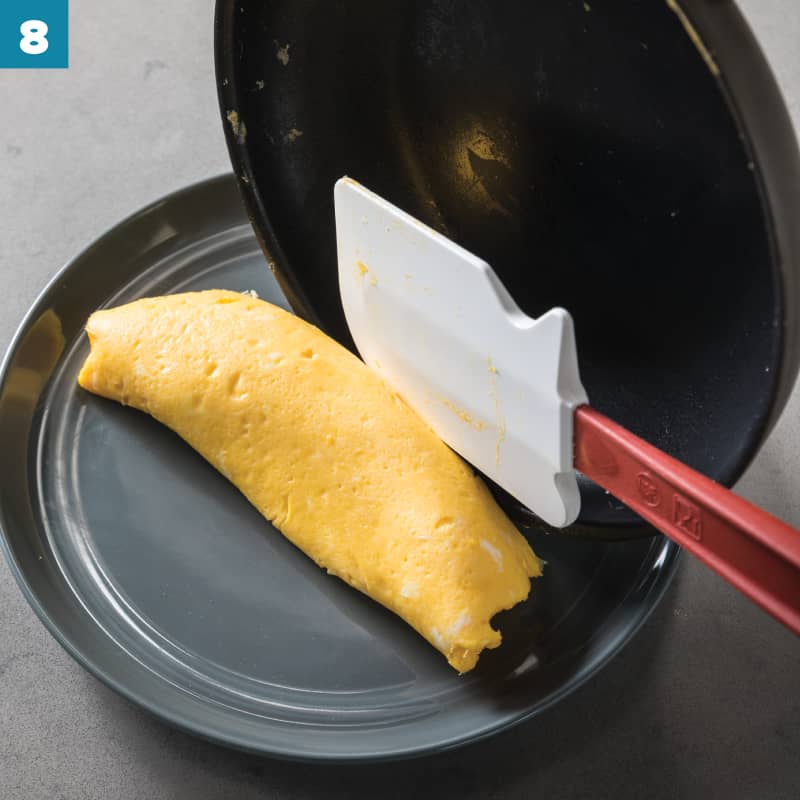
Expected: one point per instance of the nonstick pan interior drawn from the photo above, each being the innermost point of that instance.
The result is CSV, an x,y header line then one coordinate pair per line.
x,y
599,155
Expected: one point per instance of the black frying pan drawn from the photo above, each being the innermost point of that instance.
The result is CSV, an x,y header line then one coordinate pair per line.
x,y
631,161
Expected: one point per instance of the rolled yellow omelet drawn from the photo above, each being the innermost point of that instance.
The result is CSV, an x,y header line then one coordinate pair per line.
x,y
326,451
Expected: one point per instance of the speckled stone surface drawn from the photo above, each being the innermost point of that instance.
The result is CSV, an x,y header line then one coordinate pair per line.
x,y
705,701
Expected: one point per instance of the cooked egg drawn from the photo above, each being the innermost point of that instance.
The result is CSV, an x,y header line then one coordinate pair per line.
x,y
326,451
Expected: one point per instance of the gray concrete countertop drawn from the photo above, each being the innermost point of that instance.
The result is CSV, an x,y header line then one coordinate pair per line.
x,y
704,702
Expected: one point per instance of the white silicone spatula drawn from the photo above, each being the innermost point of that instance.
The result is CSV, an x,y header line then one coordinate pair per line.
x,y
503,390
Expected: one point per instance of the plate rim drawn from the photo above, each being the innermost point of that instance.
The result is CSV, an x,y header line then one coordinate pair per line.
x,y
671,555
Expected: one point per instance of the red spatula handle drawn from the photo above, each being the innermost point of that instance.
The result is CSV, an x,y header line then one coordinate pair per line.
x,y
751,549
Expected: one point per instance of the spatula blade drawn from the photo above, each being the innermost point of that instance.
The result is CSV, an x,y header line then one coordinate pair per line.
x,y
438,325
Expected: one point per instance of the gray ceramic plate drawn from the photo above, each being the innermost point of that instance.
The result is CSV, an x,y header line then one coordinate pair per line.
x,y
158,577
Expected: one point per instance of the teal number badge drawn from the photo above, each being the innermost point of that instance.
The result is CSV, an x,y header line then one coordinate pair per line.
x,y
34,34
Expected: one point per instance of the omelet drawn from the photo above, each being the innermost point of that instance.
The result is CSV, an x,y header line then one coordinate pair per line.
x,y
326,451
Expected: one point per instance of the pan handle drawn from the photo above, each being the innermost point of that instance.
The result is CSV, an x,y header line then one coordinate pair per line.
x,y
753,550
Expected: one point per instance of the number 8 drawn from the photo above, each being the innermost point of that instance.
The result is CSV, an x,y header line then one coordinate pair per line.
x,y
34,37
